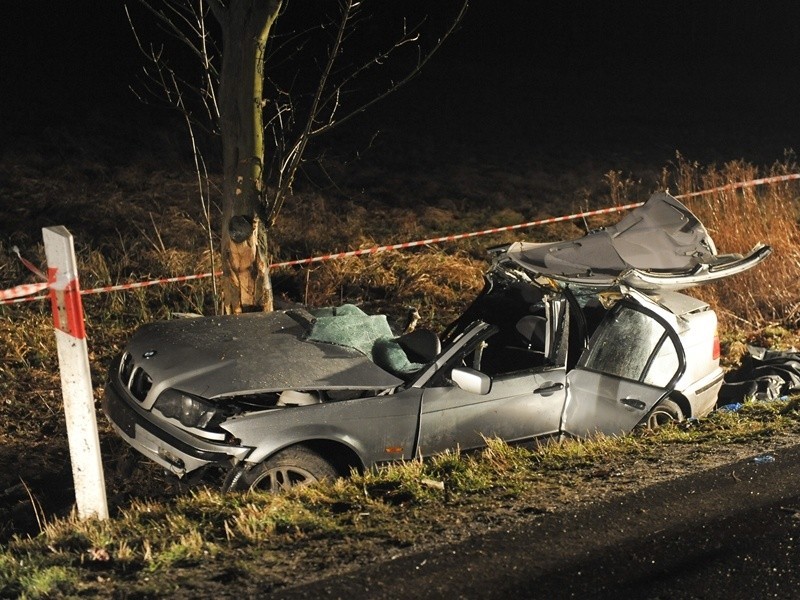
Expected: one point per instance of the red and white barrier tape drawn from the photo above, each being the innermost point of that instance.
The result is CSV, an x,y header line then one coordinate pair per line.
x,y
29,265
22,293
108,288
743,184
453,238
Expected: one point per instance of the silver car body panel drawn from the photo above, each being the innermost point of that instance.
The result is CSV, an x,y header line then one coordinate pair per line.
x,y
658,246
519,407
613,401
162,440
598,403
696,325
377,429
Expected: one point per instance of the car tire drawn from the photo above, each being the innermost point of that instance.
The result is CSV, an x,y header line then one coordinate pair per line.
x,y
666,411
297,466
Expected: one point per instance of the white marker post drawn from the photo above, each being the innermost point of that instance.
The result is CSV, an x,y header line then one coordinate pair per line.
x,y
76,380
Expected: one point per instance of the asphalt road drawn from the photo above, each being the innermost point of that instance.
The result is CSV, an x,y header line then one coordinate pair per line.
x,y
731,532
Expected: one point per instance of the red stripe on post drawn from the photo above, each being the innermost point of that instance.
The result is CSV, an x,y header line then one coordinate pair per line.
x,y
67,307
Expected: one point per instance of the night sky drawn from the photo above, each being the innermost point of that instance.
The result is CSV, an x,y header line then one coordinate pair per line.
x,y
716,79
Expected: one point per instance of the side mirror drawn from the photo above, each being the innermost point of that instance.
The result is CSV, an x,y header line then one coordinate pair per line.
x,y
471,381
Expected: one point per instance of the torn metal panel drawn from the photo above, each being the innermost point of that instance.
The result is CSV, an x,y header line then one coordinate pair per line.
x,y
660,245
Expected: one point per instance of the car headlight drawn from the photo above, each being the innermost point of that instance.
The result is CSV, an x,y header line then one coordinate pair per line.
x,y
190,411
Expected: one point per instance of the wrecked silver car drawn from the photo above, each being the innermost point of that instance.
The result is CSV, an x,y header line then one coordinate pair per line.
x,y
568,339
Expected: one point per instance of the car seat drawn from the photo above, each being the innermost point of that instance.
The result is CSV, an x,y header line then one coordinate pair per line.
x,y
420,345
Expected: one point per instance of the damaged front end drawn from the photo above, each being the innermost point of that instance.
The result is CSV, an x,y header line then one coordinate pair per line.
x,y
181,433
185,393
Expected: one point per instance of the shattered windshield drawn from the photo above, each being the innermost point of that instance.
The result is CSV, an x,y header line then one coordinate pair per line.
x,y
371,335
350,326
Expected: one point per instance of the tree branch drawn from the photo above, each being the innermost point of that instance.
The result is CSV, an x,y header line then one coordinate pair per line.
x,y
219,11
292,161
395,86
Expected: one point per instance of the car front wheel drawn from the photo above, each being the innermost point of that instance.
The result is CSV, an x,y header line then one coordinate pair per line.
x,y
666,411
294,467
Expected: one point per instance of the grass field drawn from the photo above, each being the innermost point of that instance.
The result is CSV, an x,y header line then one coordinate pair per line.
x,y
144,219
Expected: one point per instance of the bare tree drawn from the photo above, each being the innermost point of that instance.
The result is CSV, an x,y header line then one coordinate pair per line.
x,y
232,90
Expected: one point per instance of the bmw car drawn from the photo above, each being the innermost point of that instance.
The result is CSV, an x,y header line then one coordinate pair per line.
x,y
570,339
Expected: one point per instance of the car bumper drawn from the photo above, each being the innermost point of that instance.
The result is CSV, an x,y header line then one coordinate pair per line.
x,y
174,449
703,394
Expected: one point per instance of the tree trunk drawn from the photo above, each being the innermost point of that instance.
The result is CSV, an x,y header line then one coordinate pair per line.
x,y
245,28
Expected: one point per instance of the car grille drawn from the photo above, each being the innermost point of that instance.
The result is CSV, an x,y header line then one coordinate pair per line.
x,y
134,378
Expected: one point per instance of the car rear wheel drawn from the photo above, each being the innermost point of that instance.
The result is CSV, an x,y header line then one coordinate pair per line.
x,y
294,467
666,411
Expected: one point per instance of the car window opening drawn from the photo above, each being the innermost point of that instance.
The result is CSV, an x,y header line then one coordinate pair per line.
x,y
371,335
631,344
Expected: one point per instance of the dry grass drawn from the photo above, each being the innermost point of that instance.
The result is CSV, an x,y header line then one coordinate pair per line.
x,y
140,223
437,283
737,220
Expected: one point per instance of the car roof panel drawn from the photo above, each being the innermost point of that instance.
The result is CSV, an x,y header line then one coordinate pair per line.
x,y
658,246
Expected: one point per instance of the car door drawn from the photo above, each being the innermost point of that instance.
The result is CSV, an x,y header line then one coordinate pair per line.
x,y
633,360
521,404
518,407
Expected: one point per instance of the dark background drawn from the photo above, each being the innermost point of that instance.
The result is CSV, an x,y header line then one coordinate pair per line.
x,y
622,80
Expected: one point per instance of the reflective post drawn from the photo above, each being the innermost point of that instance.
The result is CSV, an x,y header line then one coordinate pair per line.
x,y
76,381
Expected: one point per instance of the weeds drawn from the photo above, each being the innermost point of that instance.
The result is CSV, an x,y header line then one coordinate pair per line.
x,y
133,234
47,582
156,538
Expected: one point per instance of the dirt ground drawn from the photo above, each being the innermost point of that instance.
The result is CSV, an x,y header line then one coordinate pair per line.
x,y
436,528
456,523
726,532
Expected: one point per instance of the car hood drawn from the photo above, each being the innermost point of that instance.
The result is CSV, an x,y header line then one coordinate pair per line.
x,y
658,246
234,355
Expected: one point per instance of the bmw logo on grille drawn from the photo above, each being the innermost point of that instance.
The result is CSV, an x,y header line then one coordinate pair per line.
x,y
149,354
